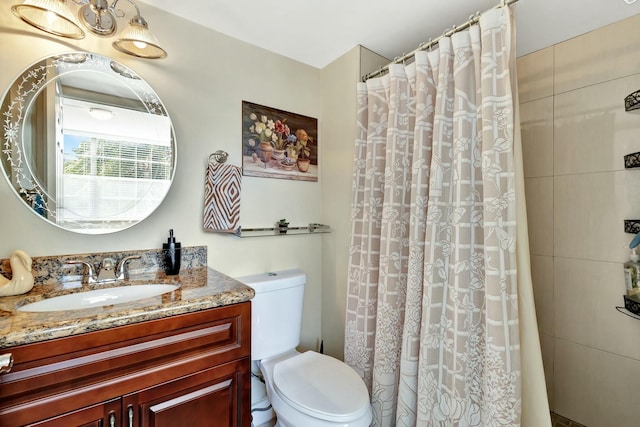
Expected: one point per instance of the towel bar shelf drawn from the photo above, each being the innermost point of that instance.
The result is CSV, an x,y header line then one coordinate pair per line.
x,y
627,312
632,226
632,160
274,231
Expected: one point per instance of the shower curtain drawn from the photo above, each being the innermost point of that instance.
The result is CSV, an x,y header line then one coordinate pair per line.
x,y
440,320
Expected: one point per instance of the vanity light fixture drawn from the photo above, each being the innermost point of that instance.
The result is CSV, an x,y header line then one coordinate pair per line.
x,y
138,41
98,17
51,16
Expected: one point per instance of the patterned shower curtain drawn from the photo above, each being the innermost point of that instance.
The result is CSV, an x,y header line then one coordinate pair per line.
x,y
432,308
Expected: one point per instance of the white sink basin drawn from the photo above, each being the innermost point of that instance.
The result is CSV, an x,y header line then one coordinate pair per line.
x,y
98,298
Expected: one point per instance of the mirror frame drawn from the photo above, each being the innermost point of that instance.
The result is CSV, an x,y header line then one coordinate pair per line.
x,y
16,104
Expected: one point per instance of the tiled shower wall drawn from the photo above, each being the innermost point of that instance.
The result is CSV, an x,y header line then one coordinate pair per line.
x,y
575,134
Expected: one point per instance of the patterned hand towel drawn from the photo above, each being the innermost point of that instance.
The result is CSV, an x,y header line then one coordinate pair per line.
x,y
222,198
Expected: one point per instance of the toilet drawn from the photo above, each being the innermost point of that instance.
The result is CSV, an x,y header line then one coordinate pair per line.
x,y
305,389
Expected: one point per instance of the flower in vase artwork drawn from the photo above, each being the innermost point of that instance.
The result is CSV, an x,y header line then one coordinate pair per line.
x,y
278,144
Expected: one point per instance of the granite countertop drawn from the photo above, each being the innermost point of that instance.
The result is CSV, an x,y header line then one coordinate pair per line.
x,y
199,289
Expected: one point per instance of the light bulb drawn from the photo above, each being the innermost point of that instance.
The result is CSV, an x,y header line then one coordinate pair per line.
x,y
51,17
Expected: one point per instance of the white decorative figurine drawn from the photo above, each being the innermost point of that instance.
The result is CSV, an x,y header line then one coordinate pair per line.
x,y
22,280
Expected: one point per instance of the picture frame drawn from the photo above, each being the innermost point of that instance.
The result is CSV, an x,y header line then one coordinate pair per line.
x,y
278,144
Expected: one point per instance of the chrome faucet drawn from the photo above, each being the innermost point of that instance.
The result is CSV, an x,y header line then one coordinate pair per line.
x,y
109,272
91,272
121,270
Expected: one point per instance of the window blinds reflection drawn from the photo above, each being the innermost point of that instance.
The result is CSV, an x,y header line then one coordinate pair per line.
x,y
114,171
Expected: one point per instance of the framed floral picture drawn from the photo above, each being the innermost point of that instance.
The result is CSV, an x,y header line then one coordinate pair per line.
x,y
278,144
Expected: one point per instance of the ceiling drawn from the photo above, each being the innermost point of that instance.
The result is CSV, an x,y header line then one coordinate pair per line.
x,y
316,32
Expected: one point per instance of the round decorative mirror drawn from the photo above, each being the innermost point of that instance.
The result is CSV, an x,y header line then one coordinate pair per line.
x,y
86,144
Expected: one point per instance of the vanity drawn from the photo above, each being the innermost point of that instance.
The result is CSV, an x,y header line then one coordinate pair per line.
x,y
177,357
181,358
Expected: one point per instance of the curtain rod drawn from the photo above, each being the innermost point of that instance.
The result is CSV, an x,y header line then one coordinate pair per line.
x,y
426,45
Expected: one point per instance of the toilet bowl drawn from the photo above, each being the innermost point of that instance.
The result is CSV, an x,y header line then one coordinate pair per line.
x,y
314,390
306,389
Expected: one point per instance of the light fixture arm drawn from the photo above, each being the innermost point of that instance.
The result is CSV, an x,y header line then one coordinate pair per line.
x,y
112,7
119,12
134,5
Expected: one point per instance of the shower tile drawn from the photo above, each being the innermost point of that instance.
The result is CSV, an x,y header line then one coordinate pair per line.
x,y
586,294
546,346
539,195
592,131
542,277
617,379
574,305
589,210
573,381
535,75
593,387
604,54
536,124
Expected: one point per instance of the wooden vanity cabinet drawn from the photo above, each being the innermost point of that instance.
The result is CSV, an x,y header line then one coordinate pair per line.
x,y
99,415
185,370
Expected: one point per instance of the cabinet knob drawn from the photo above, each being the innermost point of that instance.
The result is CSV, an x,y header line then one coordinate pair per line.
x,y
6,363
130,410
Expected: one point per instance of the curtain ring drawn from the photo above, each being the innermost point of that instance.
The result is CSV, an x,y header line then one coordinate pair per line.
x,y
448,32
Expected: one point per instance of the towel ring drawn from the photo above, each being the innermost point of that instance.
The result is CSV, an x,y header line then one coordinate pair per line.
x,y
219,156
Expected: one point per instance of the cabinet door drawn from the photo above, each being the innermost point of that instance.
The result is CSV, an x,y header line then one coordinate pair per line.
x,y
106,414
212,397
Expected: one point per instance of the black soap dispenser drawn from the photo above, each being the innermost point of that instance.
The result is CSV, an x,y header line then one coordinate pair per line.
x,y
171,254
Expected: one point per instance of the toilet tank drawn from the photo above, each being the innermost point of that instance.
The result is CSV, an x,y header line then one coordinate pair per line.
x,y
276,311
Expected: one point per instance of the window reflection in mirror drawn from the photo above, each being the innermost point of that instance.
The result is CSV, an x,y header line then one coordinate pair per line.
x,y
95,151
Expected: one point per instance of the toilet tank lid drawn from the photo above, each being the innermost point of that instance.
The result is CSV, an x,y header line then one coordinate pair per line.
x,y
275,280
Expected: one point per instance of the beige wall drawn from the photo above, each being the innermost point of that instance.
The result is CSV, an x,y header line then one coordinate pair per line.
x,y
575,134
202,83
338,110
339,106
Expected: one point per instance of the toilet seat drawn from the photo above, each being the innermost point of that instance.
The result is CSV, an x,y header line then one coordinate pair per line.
x,y
321,386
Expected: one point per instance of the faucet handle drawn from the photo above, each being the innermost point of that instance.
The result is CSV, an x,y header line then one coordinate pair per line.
x,y
91,274
108,264
120,271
